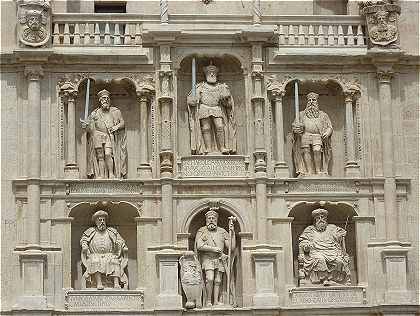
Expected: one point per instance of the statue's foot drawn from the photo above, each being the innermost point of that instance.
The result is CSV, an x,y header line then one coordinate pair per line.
x,y
209,304
327,283
100,287
225,151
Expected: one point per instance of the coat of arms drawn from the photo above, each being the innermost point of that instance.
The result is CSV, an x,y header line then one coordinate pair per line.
x,y
34,22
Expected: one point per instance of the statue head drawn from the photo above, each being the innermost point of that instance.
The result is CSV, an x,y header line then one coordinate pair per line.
x,y
381,18
312,108
99,218
211,218
320,217
211,73
104,99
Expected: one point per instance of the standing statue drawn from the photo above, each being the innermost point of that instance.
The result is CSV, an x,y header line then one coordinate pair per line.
x,y
107,141
104,254
211,116
312,142
210,244
323,259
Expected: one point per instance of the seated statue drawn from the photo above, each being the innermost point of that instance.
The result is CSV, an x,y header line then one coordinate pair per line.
x,y
104,254
323,259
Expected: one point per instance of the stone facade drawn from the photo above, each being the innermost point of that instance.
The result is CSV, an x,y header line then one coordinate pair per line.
x,y
159,255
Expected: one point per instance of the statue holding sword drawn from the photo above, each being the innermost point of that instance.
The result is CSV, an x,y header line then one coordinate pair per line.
x,y
107,142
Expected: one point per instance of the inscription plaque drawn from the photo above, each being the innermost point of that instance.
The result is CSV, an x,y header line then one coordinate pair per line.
x,y
328,296
213,166
104,187
106,300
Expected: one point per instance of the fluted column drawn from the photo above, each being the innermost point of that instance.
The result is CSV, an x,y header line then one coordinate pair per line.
x,y
32,229
352,168
390,191
71,169
144,169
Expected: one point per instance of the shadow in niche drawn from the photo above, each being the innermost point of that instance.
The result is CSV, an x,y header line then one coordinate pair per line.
x,y
199,221
231,73
121,217
337,214
331,101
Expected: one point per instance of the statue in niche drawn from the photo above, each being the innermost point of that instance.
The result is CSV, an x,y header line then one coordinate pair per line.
x,y
107,141
312,142
323,259
211,116
211,242
104,254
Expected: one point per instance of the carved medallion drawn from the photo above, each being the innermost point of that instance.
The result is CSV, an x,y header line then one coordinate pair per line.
x,y
382,21
34,22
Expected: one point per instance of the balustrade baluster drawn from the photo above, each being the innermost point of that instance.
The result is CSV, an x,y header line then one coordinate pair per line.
x,y
311,36
350,37
117,35
97,40
56,34
138,40
66,40
330,36
127,35
86,38
340,32
321,38
107,35
282,37
291,35
76,37
301,38
360,38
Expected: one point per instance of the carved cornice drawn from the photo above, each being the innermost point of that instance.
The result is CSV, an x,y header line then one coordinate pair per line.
x,y
34,72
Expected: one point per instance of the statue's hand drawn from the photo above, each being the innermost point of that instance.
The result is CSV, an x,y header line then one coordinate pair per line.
x,y
325,135
298,128
301,257
84,248
113,128
84,124
192,100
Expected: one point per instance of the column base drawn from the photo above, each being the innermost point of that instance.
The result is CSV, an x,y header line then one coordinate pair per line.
x,y
144,171
352,169
281,170
71,171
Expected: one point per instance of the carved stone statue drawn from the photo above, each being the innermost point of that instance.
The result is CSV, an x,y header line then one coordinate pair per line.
x,y
211,116
323,259
312,141
104,254
107,142
34,26
216,249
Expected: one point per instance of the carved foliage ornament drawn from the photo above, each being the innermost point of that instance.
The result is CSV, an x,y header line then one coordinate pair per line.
x,y
382,21
34,25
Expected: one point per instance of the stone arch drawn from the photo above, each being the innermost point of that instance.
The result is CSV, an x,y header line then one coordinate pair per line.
x,y
201,205
339,213
121,217
216,54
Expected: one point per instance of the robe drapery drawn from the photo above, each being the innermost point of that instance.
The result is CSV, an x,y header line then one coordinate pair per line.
x,y
218,93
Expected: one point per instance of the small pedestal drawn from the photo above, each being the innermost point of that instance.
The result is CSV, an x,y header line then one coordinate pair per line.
x,y
144,171
265,295
281,170
395,263
352,169
71,171
32,264
169,297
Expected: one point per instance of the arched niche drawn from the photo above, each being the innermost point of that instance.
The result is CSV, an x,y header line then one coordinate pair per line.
x,y
123,96
340,214
230,72
120,216
198,220
331,101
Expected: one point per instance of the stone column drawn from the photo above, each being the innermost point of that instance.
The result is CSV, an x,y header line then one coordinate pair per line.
x,y
260,154
280,168
71,169
32,229
390,195
352,169
144,169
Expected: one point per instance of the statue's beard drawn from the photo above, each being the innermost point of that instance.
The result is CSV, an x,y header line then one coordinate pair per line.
x,y
312,111
211,226
321,225
101,227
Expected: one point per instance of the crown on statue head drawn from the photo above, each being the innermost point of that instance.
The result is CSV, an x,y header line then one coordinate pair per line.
x,y
103,93
211,69
312,95
319,211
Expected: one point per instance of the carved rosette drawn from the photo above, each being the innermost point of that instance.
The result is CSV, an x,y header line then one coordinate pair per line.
x,y
34,17
382,21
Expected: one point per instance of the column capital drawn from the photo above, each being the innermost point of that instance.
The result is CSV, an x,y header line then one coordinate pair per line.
x,y
384,73
144,95
69,93
33,72
350,95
